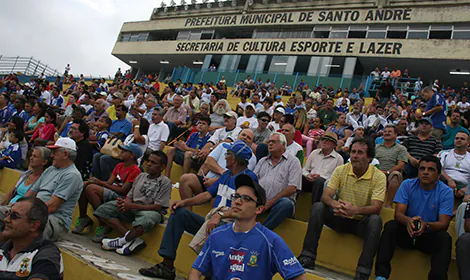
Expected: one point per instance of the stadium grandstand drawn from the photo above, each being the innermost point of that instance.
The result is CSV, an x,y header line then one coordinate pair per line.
x,y
248,139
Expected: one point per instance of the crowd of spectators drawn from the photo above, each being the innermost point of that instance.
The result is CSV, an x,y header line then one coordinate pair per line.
x,y
90,142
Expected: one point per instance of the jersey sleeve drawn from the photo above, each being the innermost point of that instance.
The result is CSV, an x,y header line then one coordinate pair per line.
x,y
203,261
284,260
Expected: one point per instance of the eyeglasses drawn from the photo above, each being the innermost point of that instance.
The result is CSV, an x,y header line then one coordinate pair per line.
x,y
13,215
244,198
264,120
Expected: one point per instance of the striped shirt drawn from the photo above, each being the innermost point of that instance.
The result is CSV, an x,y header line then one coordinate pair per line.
x,y
418,148
358,191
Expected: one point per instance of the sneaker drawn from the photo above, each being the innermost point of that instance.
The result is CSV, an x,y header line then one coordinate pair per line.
x,y
159,270
100,233
131,247
361,276
110,244
81,224
306,262
380,278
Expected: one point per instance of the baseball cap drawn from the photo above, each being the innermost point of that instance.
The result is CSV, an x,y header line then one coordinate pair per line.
x,y
240,148
118,95
359,126
331,136
231,114
246,180
278,97
27,85
250,105
133,148
64,142
281,110
103,93
426,119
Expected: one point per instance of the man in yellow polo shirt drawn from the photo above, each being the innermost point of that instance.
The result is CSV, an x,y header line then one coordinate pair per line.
x,y
360,191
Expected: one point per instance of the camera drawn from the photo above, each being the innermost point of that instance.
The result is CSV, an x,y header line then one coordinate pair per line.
x,y
417,225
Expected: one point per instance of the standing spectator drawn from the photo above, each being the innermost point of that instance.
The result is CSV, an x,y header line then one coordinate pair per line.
x,y
392,157
248,201
144,206
385,73
385,92
360,188
320,166
420,145
59,187
430,202
280,174
375,75
436,111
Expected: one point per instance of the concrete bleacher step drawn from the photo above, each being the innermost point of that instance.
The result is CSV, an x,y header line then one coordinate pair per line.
x,y
100,264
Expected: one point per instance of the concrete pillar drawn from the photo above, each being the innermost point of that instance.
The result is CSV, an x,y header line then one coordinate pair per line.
x,y
207,61
325,65
349,67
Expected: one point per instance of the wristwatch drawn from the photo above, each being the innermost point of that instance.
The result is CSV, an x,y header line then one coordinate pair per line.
x,y
221,214
424,114
137,126
388,172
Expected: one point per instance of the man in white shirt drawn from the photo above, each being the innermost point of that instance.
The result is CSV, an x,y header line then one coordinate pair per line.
x,y
463,105
45,95
356,117
293,147
158,133
375,74
385,74
278,101
320,166
277,116
248,121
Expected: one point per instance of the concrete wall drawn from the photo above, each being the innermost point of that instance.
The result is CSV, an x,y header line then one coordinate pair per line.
x,y
307,16
426,49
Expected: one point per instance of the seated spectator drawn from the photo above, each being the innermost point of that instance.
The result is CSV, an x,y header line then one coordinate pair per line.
x,y
5,110
59,187
261,133
452,129
462,250
456,166
46,131
290,106
39,110
57,100
313,132
267,106
120,127
26,252
19,110
100,133
392,157
40,159
96,192
158,133
217,117
421,145
99,111
145,206
181,219
16,123
360,190
278,101
293,148
182,153
357,134
243,102
78,113
248,120
79,132
248,199
117,99
343,107
280,174
274,125
214,166
150,105
374,122
255,100
341,129
191,101
327,114
11,157
422,215
175,117
320,166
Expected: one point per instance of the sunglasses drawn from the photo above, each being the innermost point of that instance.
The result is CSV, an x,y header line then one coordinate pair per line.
x,y
243,198
264,120
13,215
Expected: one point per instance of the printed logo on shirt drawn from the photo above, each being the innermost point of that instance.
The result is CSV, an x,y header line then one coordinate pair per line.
x,y
290,262
23,271
218,253
236,258
253,259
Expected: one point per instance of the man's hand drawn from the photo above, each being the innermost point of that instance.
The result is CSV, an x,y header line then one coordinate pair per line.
x,y
346,209
312,177
135,122
176,204
410,227
451,183
213,222
268,205
203,153
460,193
414,161
209,181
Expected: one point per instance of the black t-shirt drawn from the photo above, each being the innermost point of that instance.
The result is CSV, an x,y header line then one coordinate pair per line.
x,y
84,158
386,91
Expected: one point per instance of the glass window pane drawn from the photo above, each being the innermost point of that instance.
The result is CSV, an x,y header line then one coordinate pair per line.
x,y
440,34
358,27
322,28
339,27
126,37
461,35
396,34
377,27
461,26
321,34
340,34
418,35
376,35
441,27
420,27
397,27
357,34
134,38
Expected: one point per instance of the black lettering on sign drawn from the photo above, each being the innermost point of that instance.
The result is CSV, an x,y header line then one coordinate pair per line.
x,y
306,17
380,48
350,47
233,46
338,16
388,15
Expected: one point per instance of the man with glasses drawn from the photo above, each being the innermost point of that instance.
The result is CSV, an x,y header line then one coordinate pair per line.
x,y
320,166
26,255
59,187
237,157
261,133
245,248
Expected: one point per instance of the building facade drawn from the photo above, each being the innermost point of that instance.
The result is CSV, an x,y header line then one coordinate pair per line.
x,y
316,40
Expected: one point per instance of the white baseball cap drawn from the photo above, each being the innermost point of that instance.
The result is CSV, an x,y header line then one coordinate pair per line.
x,y
281,110
64,142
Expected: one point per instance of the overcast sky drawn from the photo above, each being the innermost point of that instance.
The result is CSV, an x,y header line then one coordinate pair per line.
x,y
79,32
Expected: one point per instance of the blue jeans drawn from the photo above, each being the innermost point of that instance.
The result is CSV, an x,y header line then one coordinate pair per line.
x,y
282,209
183,220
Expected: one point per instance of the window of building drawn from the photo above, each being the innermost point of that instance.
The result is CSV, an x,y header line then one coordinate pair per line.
x,y
376,34
440,34
183,35
461,35
395,34
126,37
302,64
321,34
134,37
417,34
339,34
357,34
207,34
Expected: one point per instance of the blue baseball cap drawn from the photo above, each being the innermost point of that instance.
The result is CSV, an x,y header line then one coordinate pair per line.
x,y
239,148
133,148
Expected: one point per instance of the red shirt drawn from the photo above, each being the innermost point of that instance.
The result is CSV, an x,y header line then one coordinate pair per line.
x,y
125,174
